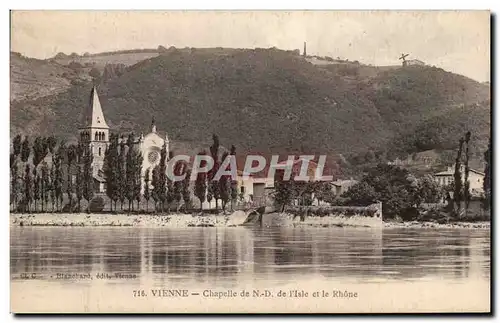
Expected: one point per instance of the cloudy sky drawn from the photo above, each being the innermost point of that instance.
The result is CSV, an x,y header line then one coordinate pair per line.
x,y
456,41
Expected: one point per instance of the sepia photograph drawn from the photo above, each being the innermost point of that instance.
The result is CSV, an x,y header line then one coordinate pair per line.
x,y
250,162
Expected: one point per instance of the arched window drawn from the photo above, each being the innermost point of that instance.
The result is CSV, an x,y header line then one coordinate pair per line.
x,y
103,136
99,151
96,136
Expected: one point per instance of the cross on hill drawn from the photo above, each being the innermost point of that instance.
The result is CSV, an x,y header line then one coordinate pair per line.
x,y
403,57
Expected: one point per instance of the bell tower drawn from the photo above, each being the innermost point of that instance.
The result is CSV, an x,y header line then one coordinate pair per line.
x,y
95,132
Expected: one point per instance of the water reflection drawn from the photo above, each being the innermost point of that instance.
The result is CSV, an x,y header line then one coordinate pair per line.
x,y
232,256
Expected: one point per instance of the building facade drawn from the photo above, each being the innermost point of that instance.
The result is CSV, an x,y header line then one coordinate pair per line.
x,y
476,179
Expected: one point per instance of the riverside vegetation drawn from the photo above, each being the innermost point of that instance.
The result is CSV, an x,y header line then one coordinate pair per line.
x,y
41,182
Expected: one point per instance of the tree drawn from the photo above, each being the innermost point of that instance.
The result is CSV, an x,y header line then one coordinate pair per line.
x,y
51,143
14,188
162,177
186,194
39,150
16,145
45,187
487,177
36,188
94,73
79,186
52,190
28,193
213,185
457,179
234,182
25,150
131,169
178,185
88,178
428,191
57,180
200,185
395,187
71,155
147,194
121,174
225,186
466,173
110,170
138,178
283,190
155,182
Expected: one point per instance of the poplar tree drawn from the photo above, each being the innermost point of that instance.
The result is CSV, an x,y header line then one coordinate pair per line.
x,y
130,170
58,178
122,175
71,156
39,150
457,191
155,182
487,177
25,150
162,177
110,170
88,179
36,188
51,143
28,193
186,194
169,193
79,186
213,185
138,181
14,188
234,181
147,194
52,189
224,185
45,187
16,145
200,185
177,186
466,173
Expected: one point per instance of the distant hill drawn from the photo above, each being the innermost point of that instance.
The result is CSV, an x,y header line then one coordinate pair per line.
x,y
32,78
267,100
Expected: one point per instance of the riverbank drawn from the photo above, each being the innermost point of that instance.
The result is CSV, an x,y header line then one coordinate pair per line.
x,y
211,220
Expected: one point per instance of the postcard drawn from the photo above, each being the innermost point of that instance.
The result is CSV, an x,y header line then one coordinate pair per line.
x,y
250,162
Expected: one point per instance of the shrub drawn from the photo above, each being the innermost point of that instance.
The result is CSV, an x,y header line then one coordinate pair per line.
x,y
96,204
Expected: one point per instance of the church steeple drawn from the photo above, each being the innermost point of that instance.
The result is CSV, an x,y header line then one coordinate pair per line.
x,y
94,133
153,125
95,117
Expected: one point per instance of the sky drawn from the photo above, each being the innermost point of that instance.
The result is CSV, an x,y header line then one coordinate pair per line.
x,y
457,41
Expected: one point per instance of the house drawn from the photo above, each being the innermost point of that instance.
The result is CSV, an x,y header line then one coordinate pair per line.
x,y
413,62
476,179
342,186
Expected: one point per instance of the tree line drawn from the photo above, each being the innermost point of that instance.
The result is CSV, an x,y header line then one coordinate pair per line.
x,y
51,176
36,181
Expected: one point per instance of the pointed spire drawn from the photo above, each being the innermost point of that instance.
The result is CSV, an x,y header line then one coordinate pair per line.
x,y
153,125
95,117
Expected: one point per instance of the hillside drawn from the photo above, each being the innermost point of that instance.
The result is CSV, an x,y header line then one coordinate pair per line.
x,y
33,78
266,100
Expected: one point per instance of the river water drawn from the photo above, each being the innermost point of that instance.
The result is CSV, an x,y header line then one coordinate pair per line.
x,y
90,269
